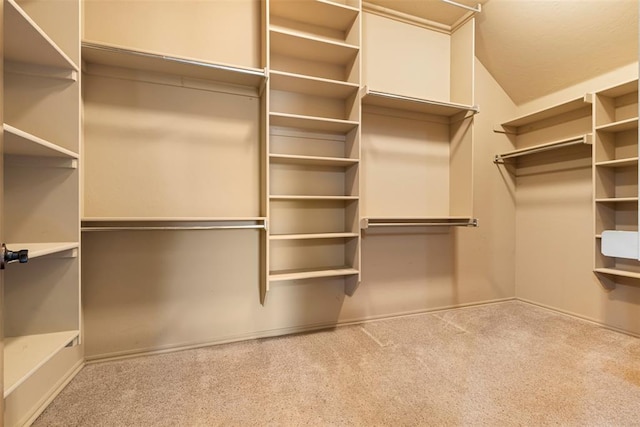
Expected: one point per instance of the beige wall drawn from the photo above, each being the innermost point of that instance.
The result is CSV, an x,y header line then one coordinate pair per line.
x,y
165,294
554,230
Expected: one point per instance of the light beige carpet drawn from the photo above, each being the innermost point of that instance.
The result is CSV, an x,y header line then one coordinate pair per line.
x,y
495,365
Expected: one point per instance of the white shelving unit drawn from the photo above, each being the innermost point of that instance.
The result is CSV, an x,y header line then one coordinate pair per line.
x,y
41,202
313,97
615,180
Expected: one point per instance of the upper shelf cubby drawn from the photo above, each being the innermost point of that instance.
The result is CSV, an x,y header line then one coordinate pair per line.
x,y
319,13
116,56
417,105
26,42
302,46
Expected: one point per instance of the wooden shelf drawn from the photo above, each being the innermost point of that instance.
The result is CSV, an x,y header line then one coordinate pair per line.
x,y
24,355
299,274
312,123
451,221
616,200
287,159
556,110
616,272
418,105
315,86
321,13
620,126
620,90
336,198
563,143
18,142
37,250
312,236
292,44
618,163
26,42
319,124
117,56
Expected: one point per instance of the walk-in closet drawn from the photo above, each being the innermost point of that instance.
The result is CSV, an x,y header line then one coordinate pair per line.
x,y
322,212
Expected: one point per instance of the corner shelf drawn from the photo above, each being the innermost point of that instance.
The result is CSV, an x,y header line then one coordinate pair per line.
x,y
26,42
514,126
563,143
116,56
24,355
418,105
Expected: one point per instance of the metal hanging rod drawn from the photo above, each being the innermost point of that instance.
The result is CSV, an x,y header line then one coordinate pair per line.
x,y
583,139
162,228
476,9
416,222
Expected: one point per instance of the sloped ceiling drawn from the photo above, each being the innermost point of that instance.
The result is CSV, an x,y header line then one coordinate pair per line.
x,y
536,47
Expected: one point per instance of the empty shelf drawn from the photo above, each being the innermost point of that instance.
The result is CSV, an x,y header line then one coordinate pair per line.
x,y
301,46
618,163
418,105
556,110
26,42
99,53
320,13
290,82
418,222
285,197
311,160
582,139
319,124
312,236
299,274
22,143
616,272
43,249
25,354
616,199
619,126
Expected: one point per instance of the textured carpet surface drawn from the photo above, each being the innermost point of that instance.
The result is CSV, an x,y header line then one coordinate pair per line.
x,y
496,365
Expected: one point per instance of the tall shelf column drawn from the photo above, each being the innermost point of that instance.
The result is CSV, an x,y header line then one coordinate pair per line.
x,y
615,177
41,209
313,141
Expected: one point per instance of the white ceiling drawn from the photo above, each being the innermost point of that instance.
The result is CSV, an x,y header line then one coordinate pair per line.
x,y
536,47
